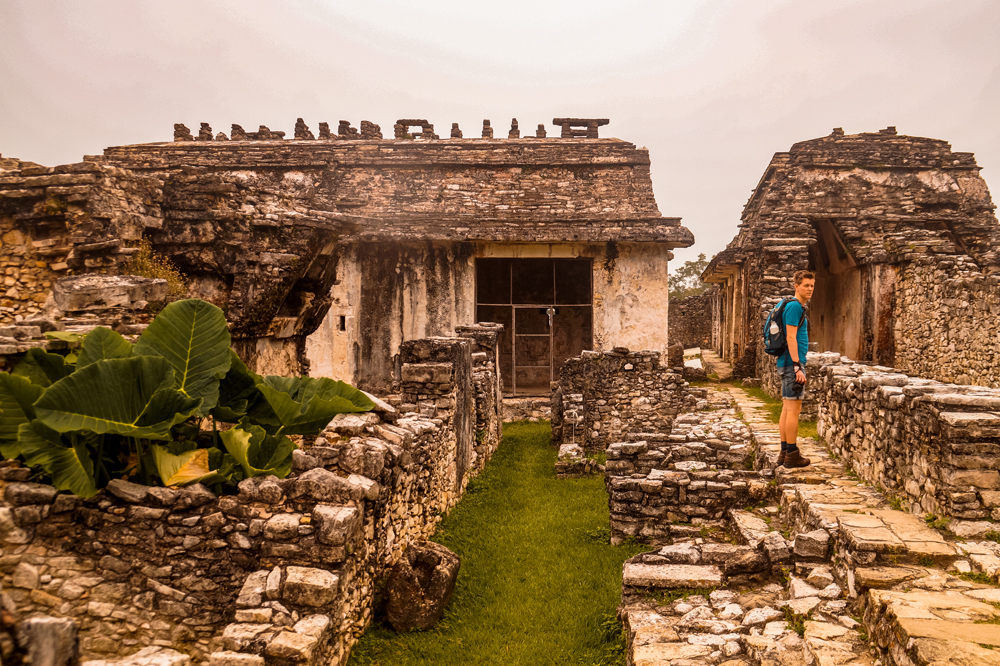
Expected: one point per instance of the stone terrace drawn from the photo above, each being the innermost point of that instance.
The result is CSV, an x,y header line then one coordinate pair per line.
x,y
865,583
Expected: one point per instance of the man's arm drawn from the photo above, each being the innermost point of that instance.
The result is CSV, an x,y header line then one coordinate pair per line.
x,y
793,350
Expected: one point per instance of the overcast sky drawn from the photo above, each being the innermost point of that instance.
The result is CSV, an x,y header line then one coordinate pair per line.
x,y
712,88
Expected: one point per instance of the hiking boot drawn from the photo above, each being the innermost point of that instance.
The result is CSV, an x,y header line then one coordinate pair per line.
x,y
781,459
795,459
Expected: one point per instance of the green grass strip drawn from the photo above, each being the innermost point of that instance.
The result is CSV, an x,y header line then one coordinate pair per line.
x,y
539,581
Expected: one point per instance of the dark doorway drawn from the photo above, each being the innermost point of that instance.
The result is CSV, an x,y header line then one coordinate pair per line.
x,y
546,307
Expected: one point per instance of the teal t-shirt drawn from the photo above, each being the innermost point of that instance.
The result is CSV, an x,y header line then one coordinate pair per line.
x,y
792,315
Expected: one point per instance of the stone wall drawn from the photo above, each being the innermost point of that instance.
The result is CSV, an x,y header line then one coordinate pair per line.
x,y
946,322
695,472
609,396
287,568
690,321
933,446
79,218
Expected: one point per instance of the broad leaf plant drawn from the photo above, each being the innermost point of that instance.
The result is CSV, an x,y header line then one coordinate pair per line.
x,y
151,411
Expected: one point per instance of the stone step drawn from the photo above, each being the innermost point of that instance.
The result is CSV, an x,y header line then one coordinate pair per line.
x,y
671,576
935,627
828,644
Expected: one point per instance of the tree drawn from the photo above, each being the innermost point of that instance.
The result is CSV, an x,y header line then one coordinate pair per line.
x,y
686,280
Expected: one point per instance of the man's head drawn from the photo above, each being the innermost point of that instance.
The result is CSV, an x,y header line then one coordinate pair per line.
x,y
805,282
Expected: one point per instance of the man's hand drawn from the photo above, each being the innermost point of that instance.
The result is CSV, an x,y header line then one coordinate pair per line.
x,y
800,377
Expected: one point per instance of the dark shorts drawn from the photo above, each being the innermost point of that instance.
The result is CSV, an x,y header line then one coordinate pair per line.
x,y
790,389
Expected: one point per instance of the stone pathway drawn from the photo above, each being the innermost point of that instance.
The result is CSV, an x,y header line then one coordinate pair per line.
x,y
713,363
863,584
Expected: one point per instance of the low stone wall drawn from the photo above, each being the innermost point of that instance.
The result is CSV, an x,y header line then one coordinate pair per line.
x,y
690,321
945,324
934,446
286,570
609,395
695,473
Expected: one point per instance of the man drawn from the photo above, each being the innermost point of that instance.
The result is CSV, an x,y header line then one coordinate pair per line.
x,y
792,370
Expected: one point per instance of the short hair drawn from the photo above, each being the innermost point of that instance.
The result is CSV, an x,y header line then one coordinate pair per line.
x,y
803,275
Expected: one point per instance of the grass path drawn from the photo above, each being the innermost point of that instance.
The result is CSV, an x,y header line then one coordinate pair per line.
x,y
539,582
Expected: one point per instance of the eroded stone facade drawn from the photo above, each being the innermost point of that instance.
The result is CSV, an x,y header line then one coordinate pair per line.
x,y
896,229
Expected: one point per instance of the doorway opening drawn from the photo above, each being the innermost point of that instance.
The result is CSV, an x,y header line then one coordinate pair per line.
x,y
546,308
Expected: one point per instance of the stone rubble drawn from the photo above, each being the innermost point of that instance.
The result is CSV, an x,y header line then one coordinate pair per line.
x,y
845,553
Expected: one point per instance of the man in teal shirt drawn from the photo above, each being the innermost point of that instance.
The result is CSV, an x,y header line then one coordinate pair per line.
x,y
792,370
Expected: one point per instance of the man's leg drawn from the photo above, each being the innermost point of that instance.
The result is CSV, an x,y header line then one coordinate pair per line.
x,y
789,426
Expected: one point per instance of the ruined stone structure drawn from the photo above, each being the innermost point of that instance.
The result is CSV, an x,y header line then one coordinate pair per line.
x,y
328,254
602,398
691,321
284,571
901,233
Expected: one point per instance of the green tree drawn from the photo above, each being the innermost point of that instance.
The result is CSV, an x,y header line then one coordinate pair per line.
x,y
686,280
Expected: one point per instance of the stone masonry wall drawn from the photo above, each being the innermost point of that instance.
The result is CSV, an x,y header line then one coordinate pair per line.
x,y
694,473
286,569
82,217
934,446
691,321
609,396
946,322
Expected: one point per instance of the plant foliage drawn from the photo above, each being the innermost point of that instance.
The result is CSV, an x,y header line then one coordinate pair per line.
x,y
686,281
118,410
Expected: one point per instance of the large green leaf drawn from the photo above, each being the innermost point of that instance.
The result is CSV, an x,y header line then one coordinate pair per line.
x,y
188,467
42,368
70,466
17,395
126,396
237,390
257,452
192,336
103,343
306,405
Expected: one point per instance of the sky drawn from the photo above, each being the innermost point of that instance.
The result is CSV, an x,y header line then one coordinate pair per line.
x,y
713,88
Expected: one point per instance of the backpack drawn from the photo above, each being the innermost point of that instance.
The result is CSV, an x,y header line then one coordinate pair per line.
x,y
775,338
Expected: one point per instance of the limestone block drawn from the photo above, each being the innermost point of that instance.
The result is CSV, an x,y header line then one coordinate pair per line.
x,y
761,615
316,626
776,547
19,494
245,636
420,586
812,544
252,592
335,525
293,646
25,576
323,485
799,588
364,487
657,654
148,656
427,373
99,292
803,605
985,479
701,619
50,641
352,423
132,493
282,526
305,586
681,553
670,575
819,577
227,658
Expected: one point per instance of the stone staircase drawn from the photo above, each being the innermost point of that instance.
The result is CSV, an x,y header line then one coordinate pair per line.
x,y
862,583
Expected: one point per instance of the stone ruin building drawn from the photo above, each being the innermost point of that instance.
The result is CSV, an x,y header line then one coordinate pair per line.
x,y
328,253
901,234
